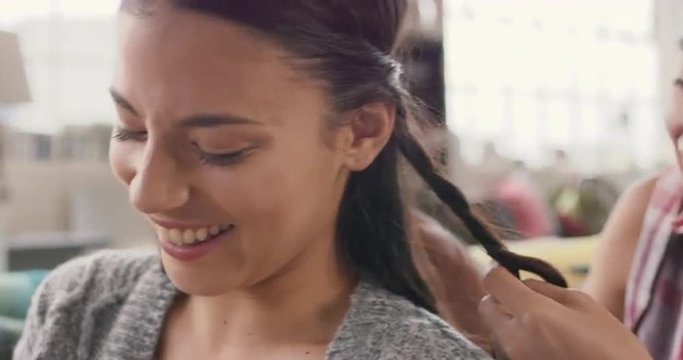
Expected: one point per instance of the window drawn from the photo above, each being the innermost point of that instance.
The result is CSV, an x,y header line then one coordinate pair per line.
x,y
534,76
69,49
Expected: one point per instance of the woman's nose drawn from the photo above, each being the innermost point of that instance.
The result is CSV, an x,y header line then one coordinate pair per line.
x,y
158,184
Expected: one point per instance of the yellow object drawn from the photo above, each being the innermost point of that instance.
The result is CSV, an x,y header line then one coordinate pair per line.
x,y
571,256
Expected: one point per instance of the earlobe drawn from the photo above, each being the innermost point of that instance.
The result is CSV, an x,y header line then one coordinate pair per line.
x,y
371,127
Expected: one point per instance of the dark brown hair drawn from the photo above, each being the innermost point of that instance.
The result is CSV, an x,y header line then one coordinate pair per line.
x,y
351,45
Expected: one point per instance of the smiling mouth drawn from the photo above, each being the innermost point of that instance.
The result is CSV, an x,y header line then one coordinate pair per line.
x,y
190,237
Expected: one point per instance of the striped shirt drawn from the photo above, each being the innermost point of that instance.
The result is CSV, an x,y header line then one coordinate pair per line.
x,y
654,301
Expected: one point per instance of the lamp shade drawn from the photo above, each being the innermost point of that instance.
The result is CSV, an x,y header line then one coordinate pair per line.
x,y
13,84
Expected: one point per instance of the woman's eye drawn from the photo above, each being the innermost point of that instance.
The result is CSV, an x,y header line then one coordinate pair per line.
x,y
224,159
127,135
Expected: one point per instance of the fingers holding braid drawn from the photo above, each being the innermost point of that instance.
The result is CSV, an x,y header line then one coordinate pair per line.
x,y
456,201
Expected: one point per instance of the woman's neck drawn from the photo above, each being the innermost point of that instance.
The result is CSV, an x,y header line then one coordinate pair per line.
x,y
304,304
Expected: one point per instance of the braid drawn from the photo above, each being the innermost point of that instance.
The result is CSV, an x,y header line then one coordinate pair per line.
x,y
456,201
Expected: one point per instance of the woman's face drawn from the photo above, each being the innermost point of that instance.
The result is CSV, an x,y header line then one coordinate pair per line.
x,y
225,149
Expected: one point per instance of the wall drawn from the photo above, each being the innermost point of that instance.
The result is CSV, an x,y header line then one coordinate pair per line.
x,y
58,197
424,18
668,31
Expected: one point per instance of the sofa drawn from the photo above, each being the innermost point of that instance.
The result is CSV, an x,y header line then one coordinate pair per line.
x,y
16,290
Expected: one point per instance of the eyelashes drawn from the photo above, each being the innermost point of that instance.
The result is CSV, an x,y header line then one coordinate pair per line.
x,y
224,159
216,159
127,135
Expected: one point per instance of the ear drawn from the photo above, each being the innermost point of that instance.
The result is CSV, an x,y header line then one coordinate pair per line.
x,y
367,131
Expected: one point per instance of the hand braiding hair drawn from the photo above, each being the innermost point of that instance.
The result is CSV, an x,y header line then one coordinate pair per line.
x,y
456,201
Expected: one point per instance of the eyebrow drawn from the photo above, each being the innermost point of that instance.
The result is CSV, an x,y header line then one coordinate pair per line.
x,y
215,120
122,102
198,120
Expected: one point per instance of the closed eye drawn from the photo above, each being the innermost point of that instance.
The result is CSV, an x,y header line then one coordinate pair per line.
x,y
224,159
678,82
127,135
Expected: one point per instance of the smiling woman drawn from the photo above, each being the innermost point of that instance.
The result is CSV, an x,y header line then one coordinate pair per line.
x,y
262,142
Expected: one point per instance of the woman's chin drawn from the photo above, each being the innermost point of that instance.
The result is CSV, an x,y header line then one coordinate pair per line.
x,y
200,280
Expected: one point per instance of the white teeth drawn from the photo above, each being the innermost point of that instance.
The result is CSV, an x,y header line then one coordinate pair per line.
x,y
202,234
163,233
175,236
188,237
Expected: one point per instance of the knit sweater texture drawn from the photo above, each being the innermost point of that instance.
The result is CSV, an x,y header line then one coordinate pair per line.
x,y
112,305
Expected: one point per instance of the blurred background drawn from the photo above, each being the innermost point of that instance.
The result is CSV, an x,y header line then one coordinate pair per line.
x,y
552,107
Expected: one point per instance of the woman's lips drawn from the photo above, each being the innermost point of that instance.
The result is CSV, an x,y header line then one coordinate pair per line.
x,y
191,251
